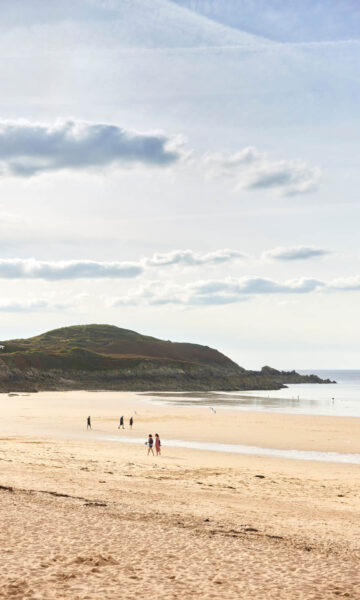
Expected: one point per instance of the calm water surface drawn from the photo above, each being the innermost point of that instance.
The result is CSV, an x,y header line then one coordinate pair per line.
x,y
340,399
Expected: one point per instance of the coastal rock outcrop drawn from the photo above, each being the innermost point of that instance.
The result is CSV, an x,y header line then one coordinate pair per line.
x,y
103,357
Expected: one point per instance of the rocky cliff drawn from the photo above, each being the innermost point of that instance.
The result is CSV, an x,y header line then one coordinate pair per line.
x,y
106,357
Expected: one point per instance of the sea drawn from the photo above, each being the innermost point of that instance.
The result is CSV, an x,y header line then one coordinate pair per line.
x,y
340,399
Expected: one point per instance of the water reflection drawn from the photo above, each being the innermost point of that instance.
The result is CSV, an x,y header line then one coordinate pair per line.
x,y
296,399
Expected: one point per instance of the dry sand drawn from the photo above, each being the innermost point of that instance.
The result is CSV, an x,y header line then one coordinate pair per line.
x,y
89,519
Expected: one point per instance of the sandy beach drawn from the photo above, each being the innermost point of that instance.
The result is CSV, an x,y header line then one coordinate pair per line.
x,y
85,517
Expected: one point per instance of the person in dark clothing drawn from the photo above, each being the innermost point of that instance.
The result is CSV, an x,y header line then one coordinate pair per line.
x,y
121,424
150,443
131,421
88,423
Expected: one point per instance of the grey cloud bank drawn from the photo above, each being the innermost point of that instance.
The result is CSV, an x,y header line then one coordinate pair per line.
x,y
30,148
27,149
295,253
228,290
251,169
33,269
18,268
190,258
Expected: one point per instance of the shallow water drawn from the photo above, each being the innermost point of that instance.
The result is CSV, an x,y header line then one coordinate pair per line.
x,y
341,399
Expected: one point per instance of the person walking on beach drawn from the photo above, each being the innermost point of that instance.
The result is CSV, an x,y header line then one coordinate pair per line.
x,y
121,424
131,421
150,443
88,423
157,444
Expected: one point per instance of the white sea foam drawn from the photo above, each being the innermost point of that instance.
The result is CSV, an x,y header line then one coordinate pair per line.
x,y
335,457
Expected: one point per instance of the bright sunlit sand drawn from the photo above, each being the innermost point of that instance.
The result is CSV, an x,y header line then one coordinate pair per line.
x,y
90,518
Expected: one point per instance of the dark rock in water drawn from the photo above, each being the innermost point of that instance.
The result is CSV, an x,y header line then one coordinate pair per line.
x,y
104,357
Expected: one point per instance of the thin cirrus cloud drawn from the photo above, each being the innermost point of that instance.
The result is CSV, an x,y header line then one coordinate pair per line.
x,y
18,268
289,253
253,170
228,291
29,148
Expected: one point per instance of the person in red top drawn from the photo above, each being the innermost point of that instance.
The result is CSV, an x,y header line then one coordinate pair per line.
x,y
157,444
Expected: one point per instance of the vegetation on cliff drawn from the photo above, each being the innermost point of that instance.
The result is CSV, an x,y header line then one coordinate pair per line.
x,y
107,357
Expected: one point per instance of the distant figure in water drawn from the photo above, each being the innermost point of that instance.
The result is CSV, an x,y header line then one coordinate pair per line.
x,y
131,421
150,444
157,444
88,423
121,423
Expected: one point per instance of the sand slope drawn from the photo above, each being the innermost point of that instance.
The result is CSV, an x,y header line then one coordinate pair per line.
x,y
125,526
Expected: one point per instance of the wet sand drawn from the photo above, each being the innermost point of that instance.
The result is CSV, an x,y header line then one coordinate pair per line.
x,y
90,519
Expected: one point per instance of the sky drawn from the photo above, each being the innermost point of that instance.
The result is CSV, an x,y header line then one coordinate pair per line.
x,y
187,169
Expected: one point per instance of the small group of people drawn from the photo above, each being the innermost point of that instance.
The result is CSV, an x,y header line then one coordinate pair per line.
x,y
151,442
122,425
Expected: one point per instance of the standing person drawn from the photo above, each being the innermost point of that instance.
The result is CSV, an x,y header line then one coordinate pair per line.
x,y
131,421
121,423
88,423
157,444
150,444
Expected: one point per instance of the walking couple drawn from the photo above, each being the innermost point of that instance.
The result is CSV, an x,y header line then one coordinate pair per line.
x,y
150,443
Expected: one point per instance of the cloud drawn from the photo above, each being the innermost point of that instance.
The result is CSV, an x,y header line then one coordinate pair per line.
x,y
217,292
255,285
250,169
17,268
289,253
193,259
30,148
284,21
214,292
31,268
27,149
219,164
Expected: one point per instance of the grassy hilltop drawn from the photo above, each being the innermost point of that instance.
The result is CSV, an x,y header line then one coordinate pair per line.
x,y
108,357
